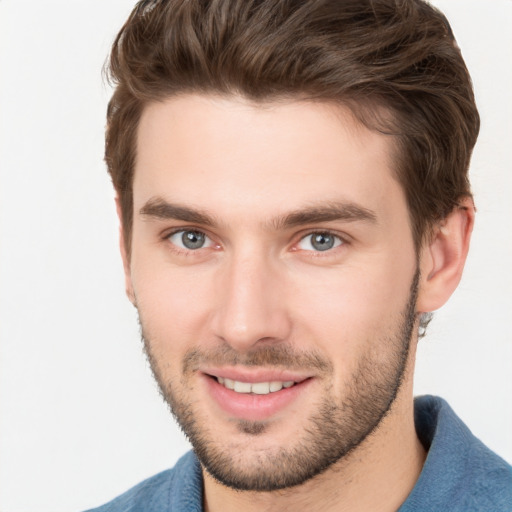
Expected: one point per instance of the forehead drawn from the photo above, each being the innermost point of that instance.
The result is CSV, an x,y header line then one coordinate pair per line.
x,y
241,158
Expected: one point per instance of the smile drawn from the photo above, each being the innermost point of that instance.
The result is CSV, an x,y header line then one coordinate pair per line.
x,y
255,394
258,388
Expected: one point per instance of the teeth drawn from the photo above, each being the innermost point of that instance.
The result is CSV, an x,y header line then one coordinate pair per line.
x,y
258,388
261,388
230,384
242,387
275,386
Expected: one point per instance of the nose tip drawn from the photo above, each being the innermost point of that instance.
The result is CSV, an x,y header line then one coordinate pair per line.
x,y
251,308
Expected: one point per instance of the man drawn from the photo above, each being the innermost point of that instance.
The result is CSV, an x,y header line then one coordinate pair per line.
x,y
294,203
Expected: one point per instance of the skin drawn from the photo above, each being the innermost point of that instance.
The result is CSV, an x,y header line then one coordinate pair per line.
x,y
258,282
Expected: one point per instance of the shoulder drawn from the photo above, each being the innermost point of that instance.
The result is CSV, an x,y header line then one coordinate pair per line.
x,y
460,472
176,489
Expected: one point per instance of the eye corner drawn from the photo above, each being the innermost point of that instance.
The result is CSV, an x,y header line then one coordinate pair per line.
x,y
187,239
319,241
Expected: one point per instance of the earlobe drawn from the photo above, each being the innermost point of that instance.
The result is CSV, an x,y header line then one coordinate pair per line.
x,y
442,259
126,260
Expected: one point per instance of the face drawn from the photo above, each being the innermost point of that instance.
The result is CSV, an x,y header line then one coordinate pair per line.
x,y
275,276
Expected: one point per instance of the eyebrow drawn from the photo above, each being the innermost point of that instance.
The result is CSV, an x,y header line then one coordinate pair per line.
x,y
328,212
158,208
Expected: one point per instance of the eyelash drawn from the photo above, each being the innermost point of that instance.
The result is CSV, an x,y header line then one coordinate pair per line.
x,y
343,241
186,252
328,252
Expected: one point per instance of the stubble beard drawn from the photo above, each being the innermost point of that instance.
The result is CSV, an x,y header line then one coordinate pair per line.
x,y
331,433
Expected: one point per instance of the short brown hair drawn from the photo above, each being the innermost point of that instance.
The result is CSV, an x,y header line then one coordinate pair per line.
x,y
394,63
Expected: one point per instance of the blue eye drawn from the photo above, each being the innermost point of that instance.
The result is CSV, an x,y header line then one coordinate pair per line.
x,y
320,241
190,239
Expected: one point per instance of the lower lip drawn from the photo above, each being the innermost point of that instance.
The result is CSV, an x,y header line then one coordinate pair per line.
x,y
250,406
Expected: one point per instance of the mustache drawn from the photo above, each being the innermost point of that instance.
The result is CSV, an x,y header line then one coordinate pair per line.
x,y
277,356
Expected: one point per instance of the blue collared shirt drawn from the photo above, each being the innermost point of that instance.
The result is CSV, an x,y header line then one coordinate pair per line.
x,y
460,473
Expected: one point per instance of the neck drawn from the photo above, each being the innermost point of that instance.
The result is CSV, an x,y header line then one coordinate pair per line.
x,y
377,475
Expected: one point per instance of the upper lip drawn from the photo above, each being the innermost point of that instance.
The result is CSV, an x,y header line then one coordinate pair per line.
x,y
254,375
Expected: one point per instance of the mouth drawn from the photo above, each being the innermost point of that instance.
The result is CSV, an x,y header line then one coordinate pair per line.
x,y
257,388
256,395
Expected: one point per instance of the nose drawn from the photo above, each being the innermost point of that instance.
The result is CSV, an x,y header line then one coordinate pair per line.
x,y
250,306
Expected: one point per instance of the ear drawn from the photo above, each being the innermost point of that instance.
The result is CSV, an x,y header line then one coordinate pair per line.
x,y
126,260
442,258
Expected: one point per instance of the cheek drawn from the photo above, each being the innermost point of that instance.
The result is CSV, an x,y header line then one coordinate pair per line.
x,y
173,307
348,309
355,325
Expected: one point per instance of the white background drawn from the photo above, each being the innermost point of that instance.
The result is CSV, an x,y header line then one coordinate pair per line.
x,y
81,420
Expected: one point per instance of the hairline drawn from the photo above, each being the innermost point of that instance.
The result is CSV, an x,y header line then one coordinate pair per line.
x,y
344,104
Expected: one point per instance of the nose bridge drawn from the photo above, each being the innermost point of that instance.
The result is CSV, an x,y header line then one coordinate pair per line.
x,y
251,305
